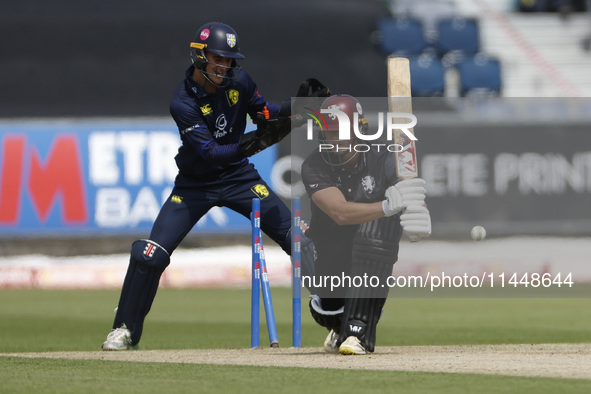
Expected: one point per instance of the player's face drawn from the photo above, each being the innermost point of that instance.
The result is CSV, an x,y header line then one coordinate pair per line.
x,y
342,151
332,137
217,67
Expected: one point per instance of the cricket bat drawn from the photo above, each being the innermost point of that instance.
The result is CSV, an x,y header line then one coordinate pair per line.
x,y
399,100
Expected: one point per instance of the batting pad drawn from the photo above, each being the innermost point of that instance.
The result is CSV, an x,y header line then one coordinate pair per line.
x,y
147,262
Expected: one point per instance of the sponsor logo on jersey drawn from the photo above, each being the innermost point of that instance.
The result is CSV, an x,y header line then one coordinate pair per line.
x,y
176,199
231,40
189,129
233,96
220,124
206,109
261,191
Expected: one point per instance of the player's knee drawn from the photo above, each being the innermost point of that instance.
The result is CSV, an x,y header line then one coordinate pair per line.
x,y
149,253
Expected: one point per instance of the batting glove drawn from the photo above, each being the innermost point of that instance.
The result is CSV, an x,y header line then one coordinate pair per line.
x,y
412,191
393,202
416,221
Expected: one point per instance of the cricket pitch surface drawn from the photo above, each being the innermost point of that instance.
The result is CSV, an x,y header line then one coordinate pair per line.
x,y
533,360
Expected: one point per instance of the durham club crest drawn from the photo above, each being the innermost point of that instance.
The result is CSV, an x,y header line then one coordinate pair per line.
x,y
231,40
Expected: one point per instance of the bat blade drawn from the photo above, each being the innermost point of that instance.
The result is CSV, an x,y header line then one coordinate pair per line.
x,y
400,101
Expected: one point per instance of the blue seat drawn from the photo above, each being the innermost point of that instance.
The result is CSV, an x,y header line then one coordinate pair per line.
x,y
480,75
427,76
429,12
401,36
458,35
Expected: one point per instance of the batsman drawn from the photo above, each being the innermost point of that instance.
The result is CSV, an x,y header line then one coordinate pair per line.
x,y
359,210
210,107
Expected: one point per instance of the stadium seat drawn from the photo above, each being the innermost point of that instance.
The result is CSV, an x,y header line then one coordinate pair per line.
x,y
458,36
430,12
427,76
400,36
479,75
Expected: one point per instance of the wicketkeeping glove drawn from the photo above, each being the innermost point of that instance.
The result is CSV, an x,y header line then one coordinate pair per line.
x,y
269,132
312,87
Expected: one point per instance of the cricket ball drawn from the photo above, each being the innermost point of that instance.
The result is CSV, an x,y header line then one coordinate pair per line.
x,y
478,233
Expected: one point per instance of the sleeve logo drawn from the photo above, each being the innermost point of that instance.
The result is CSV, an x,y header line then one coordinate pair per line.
x,y
260,191
176,199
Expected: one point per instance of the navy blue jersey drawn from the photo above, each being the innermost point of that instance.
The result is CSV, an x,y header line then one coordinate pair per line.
x,y
211,124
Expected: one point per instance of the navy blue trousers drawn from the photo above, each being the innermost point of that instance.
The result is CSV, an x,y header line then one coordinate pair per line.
x,y
188,202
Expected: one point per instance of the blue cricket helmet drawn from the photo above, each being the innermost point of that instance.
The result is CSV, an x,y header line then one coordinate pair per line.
x,y
217,38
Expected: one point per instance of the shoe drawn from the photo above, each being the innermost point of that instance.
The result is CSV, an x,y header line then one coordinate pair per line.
x,y
330,343
352,345
119,339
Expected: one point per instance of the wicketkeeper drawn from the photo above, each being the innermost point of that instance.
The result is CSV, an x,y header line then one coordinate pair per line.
x,y
210,108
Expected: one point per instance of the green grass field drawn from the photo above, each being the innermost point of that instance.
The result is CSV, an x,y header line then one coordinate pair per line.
x,y
44,320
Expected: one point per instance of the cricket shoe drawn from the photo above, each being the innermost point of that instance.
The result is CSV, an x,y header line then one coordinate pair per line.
x,y
330,343
352,346
119,339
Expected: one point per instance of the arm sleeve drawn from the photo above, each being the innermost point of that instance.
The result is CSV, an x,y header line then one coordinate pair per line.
x,y
205,146
257,102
